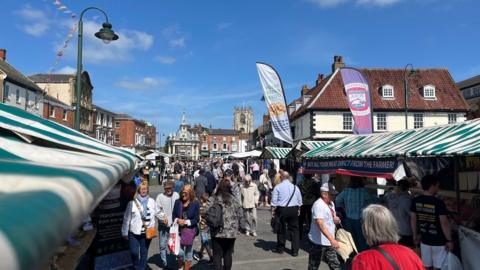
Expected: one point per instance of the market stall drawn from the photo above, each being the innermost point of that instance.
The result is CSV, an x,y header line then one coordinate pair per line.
x,y
451,152
245,155
52,177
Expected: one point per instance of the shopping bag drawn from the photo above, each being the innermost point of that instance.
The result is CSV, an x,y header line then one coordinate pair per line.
x,y
174,239
347,245
452,262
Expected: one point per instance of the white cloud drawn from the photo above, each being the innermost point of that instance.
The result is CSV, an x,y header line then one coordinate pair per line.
x,y
36,21
145,83
121,50
165,59
177,42
175,37
334,3
66,70
327,3
223,25
377,2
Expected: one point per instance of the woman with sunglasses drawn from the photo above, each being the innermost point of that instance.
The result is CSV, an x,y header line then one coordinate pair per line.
x,y
187,213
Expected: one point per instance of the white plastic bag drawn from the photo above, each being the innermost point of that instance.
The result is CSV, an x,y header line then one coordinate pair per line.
x,y
452,263
174,239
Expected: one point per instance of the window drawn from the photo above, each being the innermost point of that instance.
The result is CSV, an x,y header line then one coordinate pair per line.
x,y
224,139
37,105
17,96
65,115
429,92
381,121
117,138
452,118
225,147
233,139
52,111
387,91
417,120
7,92
214,147
117,124
234,147
347,121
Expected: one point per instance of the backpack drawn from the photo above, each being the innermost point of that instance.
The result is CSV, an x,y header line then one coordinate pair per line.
x,y
214,216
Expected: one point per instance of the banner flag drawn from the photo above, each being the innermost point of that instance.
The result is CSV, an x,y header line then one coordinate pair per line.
x,y
356,88
275,100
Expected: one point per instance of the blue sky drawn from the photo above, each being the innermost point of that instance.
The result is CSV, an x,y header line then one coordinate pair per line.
x,y
200,55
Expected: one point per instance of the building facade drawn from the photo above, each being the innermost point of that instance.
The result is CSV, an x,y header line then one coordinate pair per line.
x,y
223,142
243,119
185,143
132,133
57,111
103,129
470,89
62,87
17,90
322,112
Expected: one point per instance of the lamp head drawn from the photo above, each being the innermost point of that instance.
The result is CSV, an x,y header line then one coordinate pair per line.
x,y
106,34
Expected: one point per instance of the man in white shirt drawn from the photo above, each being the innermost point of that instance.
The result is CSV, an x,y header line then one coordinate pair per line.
x,y
165,202
322,230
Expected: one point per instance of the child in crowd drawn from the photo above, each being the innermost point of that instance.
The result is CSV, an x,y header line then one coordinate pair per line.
x,y
204,231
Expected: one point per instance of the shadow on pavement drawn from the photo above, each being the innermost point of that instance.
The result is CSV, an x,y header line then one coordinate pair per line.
x,y
265,245
155,259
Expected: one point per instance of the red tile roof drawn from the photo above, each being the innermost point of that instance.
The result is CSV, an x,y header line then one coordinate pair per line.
x,y
448,96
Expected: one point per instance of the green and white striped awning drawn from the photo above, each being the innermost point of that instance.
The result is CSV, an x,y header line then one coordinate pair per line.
x,y
275,152
309,145
51,178
447,140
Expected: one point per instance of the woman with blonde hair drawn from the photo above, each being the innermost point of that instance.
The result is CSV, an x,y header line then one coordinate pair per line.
x,y
265,187
140,216
186,212
381,233
278,178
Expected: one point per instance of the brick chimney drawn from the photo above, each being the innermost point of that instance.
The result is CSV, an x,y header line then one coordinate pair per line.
x,y
304,90
337,63
3,54
319,79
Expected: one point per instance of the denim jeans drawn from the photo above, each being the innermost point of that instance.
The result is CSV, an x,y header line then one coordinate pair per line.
x,y
186,253
167,258
139,250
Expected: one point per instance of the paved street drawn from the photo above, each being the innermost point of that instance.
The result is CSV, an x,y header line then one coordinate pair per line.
x,y
250,252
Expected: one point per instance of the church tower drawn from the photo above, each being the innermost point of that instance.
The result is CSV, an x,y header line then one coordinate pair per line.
x,y
243,119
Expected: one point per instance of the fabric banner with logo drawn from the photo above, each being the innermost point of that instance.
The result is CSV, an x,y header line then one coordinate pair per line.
x,y
358,93
275,100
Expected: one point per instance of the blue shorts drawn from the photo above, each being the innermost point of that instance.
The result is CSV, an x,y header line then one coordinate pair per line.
x,y
205,237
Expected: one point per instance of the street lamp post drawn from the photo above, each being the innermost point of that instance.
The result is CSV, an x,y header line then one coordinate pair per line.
x,y
406,77
106,34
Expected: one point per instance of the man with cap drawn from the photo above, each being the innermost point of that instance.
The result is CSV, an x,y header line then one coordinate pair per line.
x,y
165,202
322,230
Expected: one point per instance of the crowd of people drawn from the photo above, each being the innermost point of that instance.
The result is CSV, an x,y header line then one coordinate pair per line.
x,y
384,230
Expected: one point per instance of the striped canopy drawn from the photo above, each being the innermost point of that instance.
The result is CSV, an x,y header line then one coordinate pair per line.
x,y
311,144
447,140
51,178
275,152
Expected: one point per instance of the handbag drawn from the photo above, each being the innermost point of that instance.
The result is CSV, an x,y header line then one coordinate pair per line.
x,y
187,234
276,222
150,232
347,248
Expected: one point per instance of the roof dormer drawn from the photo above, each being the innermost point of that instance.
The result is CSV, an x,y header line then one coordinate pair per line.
x,y
429,92
388,92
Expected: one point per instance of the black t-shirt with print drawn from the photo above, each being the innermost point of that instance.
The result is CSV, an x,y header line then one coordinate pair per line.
x,y
428,210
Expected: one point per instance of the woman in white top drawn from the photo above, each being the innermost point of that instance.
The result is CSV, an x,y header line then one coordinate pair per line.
x,y
139,215
265,187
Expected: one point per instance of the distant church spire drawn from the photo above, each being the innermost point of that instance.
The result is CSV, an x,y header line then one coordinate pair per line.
x,y
184,118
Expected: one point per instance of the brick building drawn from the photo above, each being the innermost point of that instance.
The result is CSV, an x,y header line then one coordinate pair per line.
x,y
223,142
57,111
133,133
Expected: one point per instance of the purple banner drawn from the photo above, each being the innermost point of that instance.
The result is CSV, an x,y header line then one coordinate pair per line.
x,y
356,88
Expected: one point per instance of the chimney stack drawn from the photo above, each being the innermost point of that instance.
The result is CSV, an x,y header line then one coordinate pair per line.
x,y
319,79
337,63
304,90
3,54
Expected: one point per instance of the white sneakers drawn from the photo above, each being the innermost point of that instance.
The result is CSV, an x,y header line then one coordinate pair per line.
x,y
251,234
